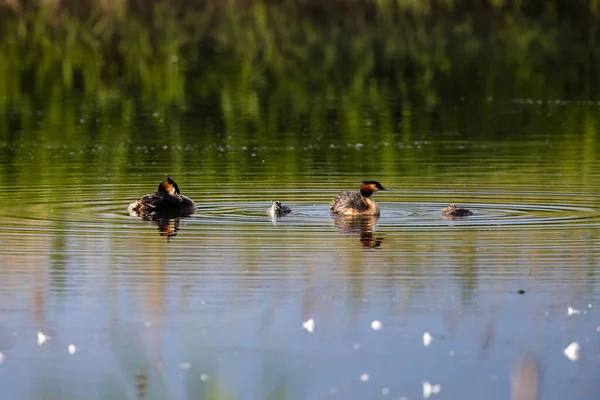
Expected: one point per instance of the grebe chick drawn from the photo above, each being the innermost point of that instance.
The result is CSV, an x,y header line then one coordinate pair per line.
x,y
453,211
278,209
357,203
166,200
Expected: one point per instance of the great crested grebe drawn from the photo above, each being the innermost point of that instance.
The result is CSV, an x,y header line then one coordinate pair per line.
x,y
453,211
357,203
166,200
278,209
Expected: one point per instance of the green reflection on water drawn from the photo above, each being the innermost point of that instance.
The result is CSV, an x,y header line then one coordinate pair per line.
x,y
273,65
284,90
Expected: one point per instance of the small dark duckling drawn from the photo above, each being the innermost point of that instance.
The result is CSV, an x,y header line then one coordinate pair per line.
x,y
453,211
166,200
278,209
357,203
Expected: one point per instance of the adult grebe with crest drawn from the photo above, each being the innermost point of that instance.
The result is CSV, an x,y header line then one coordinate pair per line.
x,y
167,200
357,203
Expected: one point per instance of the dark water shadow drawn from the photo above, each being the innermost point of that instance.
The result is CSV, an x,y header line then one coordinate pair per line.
x,y
362,226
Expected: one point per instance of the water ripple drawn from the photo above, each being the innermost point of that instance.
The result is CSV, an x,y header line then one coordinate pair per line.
x,y
227,212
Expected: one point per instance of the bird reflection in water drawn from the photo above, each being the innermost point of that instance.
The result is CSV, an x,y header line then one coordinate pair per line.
x,y
359,225
168,224
168,227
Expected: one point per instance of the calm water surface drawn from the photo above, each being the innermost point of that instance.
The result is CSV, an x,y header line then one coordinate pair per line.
x,y
216,305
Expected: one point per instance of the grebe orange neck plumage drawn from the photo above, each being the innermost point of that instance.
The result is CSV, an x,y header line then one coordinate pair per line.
x,y
168,186
369,187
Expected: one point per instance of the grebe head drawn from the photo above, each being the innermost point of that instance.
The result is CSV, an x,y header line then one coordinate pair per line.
x,y
370,187
168,186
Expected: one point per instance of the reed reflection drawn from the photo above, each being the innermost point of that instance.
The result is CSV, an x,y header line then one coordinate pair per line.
x,y
359,225
525,377
141,382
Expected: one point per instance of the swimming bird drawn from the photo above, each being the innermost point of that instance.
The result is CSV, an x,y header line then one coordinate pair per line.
x,y
453,211
357,203
278,209
167,200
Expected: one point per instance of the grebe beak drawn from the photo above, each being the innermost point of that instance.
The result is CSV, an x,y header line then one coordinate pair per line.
x,y
384,188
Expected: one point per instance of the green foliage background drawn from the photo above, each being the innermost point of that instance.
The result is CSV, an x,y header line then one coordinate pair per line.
x,y
292,73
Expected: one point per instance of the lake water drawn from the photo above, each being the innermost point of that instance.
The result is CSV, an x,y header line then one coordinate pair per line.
x,y
230,303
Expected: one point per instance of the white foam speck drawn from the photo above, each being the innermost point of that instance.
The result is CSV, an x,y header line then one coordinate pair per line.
x,y
185,365
364,377
427,338
573,311
385,391
309,325
41,338
376,325
2,358
429,389
72,349
204,377
572,351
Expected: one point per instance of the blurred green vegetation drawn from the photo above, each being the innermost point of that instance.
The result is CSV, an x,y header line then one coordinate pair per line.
x,y
292,74
267,61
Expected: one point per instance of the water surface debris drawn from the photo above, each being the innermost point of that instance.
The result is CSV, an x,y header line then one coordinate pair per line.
x,y
573,311
72,349
309,325
429,389
572,351
376,325
364,377
41,338
427,338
